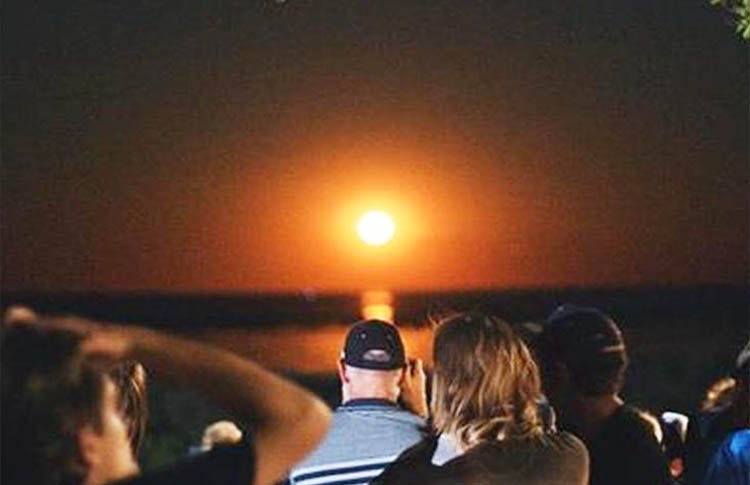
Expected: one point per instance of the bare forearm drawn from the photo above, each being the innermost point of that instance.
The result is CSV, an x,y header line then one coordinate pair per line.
x,y
237,384
288,421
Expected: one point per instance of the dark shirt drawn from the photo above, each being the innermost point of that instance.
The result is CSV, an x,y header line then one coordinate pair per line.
x,y
706,430
553,459
625,452
224,465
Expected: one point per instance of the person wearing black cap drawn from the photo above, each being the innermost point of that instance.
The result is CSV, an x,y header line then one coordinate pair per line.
x,y
583,360
369,429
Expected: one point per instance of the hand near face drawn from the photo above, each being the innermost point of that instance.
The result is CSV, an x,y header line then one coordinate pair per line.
x,y
19,315
414,388
106,341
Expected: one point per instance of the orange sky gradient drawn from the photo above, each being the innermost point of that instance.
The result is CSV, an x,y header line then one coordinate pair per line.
x,y
232,148
289,224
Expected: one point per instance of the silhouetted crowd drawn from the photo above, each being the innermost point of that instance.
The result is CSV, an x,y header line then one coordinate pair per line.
x,y
534,404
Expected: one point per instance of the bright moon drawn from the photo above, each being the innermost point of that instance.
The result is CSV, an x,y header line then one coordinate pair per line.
x,y
376,228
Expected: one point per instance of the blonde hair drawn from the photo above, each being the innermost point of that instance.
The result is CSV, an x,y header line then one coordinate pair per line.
x,y
486,384
720,394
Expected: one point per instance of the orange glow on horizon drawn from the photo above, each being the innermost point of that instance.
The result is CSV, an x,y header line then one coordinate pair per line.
x,y
378,304
309,350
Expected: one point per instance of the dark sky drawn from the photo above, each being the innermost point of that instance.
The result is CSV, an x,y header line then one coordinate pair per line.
x,y
211,146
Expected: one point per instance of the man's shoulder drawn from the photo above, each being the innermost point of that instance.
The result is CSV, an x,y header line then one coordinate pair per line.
x,y
565,443
559,450
625,433
629,424
558,458
737,444
369,430
362,439
385,414
730,464
626,450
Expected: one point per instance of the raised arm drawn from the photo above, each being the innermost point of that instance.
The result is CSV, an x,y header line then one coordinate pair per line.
x,y
288,421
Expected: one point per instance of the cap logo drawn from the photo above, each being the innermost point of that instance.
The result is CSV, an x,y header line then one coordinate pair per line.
x,y
376,355
372,344
612,348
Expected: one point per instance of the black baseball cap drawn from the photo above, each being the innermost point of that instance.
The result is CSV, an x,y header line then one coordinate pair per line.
x,y
374,344
582,336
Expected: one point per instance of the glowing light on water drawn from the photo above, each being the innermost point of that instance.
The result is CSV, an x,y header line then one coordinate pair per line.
x,y
377,304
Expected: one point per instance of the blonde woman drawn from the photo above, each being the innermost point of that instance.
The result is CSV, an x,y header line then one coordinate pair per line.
x,y
485,401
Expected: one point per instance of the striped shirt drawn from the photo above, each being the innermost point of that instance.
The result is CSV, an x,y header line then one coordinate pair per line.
x,y
365,437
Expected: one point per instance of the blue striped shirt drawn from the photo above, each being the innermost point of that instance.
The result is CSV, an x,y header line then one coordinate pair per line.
x,y
365,437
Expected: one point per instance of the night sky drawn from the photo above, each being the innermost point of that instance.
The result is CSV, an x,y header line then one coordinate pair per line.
x,y
230,145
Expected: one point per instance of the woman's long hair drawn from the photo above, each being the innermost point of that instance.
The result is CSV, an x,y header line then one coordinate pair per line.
x,y
486,383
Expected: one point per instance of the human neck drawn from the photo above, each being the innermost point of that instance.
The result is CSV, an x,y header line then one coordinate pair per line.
x,y
584,415
383,394
346,398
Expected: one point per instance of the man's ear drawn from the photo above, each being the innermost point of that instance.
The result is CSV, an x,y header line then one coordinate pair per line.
x,y
342,370
402,374
89,446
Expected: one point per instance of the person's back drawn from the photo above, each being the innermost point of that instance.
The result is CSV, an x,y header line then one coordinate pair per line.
x,y
725,410
485,405
730,464
369,429
624,450
706,430
583,357
366,435
550,459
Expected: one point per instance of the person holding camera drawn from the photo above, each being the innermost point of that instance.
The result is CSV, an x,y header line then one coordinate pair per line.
x,y
369,428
